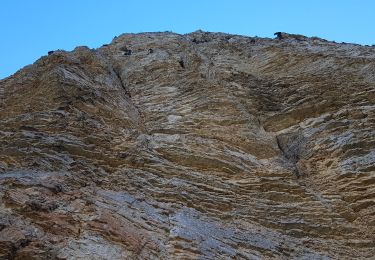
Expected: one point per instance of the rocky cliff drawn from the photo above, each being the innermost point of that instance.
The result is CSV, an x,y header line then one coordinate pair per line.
x,y
196,146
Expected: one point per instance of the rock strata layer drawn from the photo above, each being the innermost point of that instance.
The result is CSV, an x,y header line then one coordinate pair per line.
x,y
196,146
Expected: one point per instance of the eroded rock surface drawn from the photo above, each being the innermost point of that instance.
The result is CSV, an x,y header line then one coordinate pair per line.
x,y
197,146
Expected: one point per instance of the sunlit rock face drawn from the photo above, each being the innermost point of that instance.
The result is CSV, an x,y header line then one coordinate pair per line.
x,y
197,146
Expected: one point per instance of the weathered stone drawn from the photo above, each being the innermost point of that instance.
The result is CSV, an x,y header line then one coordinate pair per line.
x,y
197,146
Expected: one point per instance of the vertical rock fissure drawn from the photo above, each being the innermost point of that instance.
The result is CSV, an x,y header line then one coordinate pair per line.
x,y
290,150
127,92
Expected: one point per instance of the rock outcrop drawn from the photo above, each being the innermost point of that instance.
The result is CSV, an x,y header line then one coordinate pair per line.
x,y
196,146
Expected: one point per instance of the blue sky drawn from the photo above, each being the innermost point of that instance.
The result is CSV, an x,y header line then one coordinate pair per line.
x,y
29,29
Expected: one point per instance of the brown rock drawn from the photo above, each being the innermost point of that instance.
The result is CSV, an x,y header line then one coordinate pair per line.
x,y
209,146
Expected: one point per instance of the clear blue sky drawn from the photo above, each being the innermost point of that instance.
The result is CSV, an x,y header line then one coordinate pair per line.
x,y
30,28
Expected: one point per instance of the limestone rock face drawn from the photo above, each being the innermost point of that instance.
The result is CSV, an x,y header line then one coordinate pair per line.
x,y
197,146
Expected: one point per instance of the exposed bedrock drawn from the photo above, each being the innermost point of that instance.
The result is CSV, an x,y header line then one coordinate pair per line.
x,y
196,146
